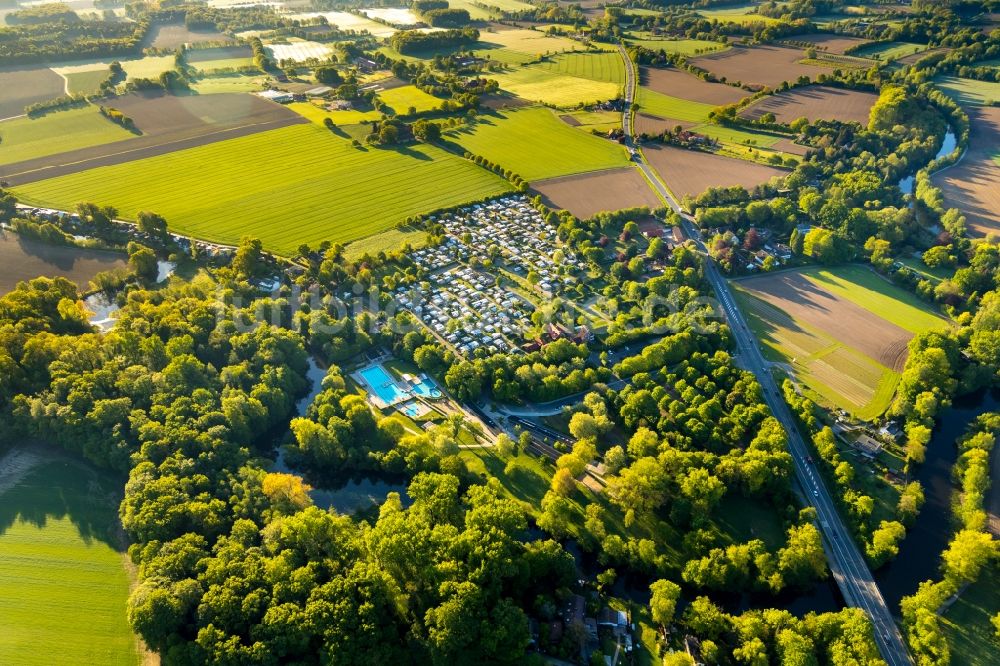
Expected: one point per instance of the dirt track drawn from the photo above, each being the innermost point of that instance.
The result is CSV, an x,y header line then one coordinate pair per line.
x,y
837,317
168,124
678,83
692,172
973,185
761,65
589,193
815,102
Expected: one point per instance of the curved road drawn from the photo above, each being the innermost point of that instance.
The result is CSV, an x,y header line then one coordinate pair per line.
x,y
847,564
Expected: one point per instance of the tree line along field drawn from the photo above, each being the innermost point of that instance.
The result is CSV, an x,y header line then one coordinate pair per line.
x,y
842,332
288,186
535,144
63,583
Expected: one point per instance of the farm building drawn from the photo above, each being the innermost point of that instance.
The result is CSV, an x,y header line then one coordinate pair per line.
x,y
279,96
319,91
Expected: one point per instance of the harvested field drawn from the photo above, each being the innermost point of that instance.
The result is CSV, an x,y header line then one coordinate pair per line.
x,y
692,172
590,193
221,53
823,324
168,123
789,146
678,83
973,185
570,120
760,65
170,36
815,102
23,259
831,43
649,124
21,86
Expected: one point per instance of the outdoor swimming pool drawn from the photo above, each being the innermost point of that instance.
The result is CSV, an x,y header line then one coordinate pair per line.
x,y
425,388
382,384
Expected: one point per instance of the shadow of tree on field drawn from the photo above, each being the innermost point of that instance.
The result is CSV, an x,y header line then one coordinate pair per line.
x,y
61,487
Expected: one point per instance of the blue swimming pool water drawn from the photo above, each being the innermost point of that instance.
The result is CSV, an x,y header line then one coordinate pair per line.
x,y
426,388
412,410
380,382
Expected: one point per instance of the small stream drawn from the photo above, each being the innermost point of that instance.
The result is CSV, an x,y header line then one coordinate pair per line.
x,y
350,495
948,145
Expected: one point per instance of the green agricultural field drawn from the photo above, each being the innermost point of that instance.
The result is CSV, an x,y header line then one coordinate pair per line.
x,y
742,14
402,99
85,72
607,67
889,51
536,144
58,132
970,91
385,241
63,584
222,63
842,332
675,108
228,83
688,47
294,185
541,85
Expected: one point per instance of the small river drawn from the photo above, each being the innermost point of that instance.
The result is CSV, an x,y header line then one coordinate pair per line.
x,y
350,495
948,145
919,556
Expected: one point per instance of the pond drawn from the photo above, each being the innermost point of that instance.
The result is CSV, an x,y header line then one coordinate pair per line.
x,y
919,556
24,259
348,495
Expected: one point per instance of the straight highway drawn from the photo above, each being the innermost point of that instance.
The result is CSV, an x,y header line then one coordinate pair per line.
x,y
848,565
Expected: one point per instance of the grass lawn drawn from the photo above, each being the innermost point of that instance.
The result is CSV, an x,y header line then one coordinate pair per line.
x,y
85,82
535,144
969,91
317,114
666,106
888,51
299,184
916,265
970,634
63,584
57,132
403,98
866,288
385,241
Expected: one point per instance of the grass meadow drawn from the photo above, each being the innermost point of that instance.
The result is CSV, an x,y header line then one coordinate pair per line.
x,y
688,47
57,132
970,91
839,346
967,622
299,184
63,583
535,144
402,99
888,51
666,106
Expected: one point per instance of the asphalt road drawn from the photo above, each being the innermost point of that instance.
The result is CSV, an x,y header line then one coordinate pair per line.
x,y
847,564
